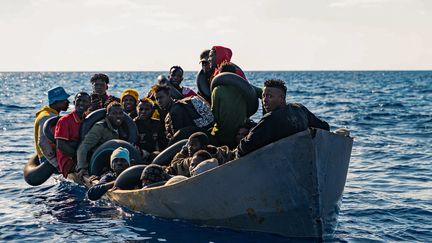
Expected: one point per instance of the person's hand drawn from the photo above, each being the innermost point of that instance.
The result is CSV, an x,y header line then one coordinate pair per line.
x,y
94,178
81,174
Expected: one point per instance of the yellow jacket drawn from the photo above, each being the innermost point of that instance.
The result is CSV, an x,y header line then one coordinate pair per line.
x,y
41,116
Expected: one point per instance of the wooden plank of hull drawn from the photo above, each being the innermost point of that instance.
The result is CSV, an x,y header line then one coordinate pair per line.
x,y
291,187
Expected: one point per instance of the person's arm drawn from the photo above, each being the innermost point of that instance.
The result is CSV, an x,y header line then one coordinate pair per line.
x,y
258,137
90,140
68,147
177,119
97,191
315,121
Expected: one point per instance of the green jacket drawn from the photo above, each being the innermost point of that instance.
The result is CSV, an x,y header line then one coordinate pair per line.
x,y
101,132
229,109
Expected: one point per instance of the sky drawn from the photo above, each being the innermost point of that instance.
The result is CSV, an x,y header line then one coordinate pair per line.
x,y
153,35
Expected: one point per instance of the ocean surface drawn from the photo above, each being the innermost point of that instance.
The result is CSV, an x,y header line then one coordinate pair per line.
x,y
387,197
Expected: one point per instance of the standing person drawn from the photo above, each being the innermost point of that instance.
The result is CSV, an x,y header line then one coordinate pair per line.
x,y
228,117
129,101
151,133
120,161
219,55
204,61
99,96
281,119
67,133
57,101
176,77
107,129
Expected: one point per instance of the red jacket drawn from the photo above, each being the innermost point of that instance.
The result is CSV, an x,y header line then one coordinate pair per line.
x,y
224,54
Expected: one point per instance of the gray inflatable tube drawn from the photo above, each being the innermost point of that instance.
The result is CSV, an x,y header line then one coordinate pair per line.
x,y
35,173
130,178
203,85
243,86
100,114
48,125
100,160
165,157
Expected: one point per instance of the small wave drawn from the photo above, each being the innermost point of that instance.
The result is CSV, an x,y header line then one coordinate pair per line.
x,y
15,107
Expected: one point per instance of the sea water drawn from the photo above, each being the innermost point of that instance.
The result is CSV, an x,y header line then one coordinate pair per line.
x,y
387,197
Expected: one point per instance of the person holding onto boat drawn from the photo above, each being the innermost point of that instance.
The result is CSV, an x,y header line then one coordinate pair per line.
x,y
57,102
67,133
107,129
129,100
99,97
151,133
120,161
175,79
189,115
181,163
281,119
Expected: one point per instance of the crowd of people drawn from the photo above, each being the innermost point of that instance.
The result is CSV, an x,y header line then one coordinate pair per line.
x,y
217,126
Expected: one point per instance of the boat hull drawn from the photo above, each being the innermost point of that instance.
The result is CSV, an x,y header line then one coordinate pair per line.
x,y
291,187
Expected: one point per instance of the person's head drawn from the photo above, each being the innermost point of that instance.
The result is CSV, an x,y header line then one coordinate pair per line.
x,y
115,113
162,80
204,61
99,83
163,97
244,129
274,94
198,157
145,109
82,103
176,75
197,141
218,55
120,160
227,67
58,99
129,99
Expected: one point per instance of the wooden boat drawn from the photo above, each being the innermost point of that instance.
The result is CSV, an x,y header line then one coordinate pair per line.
x,y
291,187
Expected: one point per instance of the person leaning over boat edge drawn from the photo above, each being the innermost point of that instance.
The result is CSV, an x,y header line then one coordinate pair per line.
x,y
57,102
281,119
67,133
120,161
107,129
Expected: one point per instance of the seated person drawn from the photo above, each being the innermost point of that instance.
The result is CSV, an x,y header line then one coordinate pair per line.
x,y
129,100
154,173
281,119
198,141
67,133
105,130
120,161
151,133
57,102
188,112
175,78
244,130
202,161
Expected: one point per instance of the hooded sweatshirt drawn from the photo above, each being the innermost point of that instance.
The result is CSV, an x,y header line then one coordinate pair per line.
x,y
224,54
42,144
